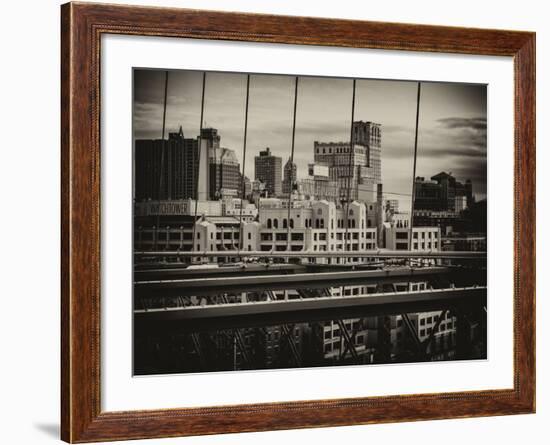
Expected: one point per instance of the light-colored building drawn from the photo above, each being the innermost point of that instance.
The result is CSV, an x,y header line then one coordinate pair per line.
x,y
240,209
357,169
424,239
315,226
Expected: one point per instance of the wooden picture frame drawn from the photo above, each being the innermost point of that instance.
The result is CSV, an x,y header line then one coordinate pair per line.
x,y
82,26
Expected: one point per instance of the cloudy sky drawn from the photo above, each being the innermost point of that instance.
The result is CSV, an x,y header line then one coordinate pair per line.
x,y
452,129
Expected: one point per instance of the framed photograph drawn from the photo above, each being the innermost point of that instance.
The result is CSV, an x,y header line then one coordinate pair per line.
x,y
275,222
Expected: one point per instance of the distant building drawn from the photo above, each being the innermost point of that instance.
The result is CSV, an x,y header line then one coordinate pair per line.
x,y
357,170
316,226
245,209
268,169
289,177
465,242
392,206
166,169
441,193
424,239
447,220
225,175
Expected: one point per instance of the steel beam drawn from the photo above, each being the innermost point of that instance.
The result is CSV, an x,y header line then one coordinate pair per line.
x,y
380,253
266,313
204,286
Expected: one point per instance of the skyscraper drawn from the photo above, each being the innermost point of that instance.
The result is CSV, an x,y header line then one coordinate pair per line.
x,y
167,169
289,176
225,175
360,168
268,168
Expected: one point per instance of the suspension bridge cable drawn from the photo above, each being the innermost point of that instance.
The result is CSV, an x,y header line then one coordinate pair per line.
x,y
199,159
349,165
163,146
243,185
414,166
291,180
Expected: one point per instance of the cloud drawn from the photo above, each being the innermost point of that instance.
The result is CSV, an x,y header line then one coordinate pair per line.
x,y
476,123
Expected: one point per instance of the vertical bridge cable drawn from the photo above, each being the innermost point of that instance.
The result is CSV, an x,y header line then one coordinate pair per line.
x,y
350,168
163,147
414,166
199,160
243,185
290,185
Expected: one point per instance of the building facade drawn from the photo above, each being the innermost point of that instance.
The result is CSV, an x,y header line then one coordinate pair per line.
x,y
356,167
289,177
166,169
442,193
268,169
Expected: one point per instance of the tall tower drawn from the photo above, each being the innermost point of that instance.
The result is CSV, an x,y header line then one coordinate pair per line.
x,y
356,166
289,176
268,169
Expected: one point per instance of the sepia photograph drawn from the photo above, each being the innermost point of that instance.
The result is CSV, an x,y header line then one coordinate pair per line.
x,y
290,221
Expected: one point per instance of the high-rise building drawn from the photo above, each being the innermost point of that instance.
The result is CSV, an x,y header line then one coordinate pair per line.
x,y
289,177
441,193
212,139
225,175
268,169
358,169
166,168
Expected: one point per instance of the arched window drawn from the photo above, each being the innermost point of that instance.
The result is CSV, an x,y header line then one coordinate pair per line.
x,y
353,224
350,212
269,223
368,223
319,211
322,223
316,223
275,223
285,224
291,223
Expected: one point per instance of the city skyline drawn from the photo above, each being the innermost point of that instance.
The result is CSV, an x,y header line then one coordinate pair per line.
x,y
452,125
309,278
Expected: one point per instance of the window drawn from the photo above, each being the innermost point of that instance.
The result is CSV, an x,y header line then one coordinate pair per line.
x,y
249,235
269,223
291,223
285,223
276,223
